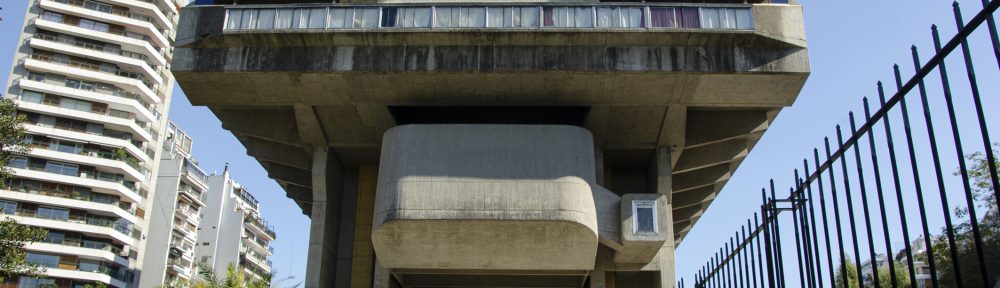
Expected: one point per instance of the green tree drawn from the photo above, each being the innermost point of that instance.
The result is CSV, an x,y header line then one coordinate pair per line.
x,y
234,278
902,277
13,236
989,228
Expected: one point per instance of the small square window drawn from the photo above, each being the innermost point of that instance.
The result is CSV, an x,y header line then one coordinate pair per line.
x,y
644,217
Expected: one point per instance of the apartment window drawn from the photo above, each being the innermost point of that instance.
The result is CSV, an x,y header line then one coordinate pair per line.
x,y
512,17
18,162
62,168
568,17
461,17
8,207
35,76
406,17
644,216
89,266
75,104
619,17
44,260
52,213
351,18
726,18
94,25
265,20
675,17
66,146
28,282
54,237
31,96
97,6
52,16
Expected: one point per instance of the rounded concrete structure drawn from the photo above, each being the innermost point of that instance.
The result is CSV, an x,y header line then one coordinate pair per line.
x,y
496,197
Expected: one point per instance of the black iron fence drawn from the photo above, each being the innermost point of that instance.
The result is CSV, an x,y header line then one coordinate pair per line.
x,y
853,204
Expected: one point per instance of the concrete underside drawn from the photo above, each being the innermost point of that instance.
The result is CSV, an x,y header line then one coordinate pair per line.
x,y
700,99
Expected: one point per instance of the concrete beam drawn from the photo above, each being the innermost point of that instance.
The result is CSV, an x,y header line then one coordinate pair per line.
x,y
274,124
275,152
711,126
673,131
701,177
288,174
712,154
309,129
694,197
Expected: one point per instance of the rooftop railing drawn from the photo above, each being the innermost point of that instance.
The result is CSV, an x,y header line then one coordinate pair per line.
x,y
503,17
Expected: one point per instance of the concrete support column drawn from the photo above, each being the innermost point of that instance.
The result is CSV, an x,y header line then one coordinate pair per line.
x,y
663,181
382,277
327,183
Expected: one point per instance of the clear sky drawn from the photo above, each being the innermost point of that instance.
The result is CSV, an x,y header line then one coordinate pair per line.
x,y
852,44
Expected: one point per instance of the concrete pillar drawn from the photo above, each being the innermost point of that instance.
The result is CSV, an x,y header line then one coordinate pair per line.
x,y
663,185
383,277
327,183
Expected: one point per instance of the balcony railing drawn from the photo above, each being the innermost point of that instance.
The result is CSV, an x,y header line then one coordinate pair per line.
x,y
260,223
96,175
98,48
92,221
93,67
103,89
105,8
40,190
487,16
194,172
90,245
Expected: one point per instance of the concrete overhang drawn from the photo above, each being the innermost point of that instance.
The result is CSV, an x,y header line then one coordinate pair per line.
x,y
707,95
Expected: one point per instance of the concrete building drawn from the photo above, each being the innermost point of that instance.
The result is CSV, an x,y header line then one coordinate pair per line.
x,y
496,143
232,231
92,79
181,189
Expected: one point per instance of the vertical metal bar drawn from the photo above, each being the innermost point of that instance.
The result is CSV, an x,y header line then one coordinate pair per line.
x,y
974,86
916,181
836,214
804,225
850,208
899,190
881,199
798,246
969,199
752,270
732,263
777,240
826,221
767,239
812,218
864,205
760,253
992,25
726,267
936,158
741,260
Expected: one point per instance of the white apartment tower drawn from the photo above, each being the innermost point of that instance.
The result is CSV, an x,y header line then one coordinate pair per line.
x,y
92,79
232,231
181,188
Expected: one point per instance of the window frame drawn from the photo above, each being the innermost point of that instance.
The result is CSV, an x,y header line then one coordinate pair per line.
x,y
645,204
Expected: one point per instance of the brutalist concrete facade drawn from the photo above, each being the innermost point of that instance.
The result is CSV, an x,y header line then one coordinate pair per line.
x,y
501,144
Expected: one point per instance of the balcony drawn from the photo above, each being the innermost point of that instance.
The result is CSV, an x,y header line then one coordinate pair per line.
x,y
115,97
104,251
494,17
259,246
107,137
259,227
96,180
39,194
193,195
59,22
103,53
89,70
111,13
195,175
77,224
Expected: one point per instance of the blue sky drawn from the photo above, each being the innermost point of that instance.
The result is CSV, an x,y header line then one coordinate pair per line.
x,y
852,44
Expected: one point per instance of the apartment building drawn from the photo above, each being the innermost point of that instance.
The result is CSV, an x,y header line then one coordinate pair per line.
x,y
92,79
232,231
181,189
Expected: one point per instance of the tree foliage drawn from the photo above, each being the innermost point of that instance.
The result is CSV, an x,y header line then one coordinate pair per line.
x,y
902,276
234,278
14,236
989,228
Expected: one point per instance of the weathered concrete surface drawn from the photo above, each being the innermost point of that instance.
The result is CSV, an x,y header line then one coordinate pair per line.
x,y
706,96
499,197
